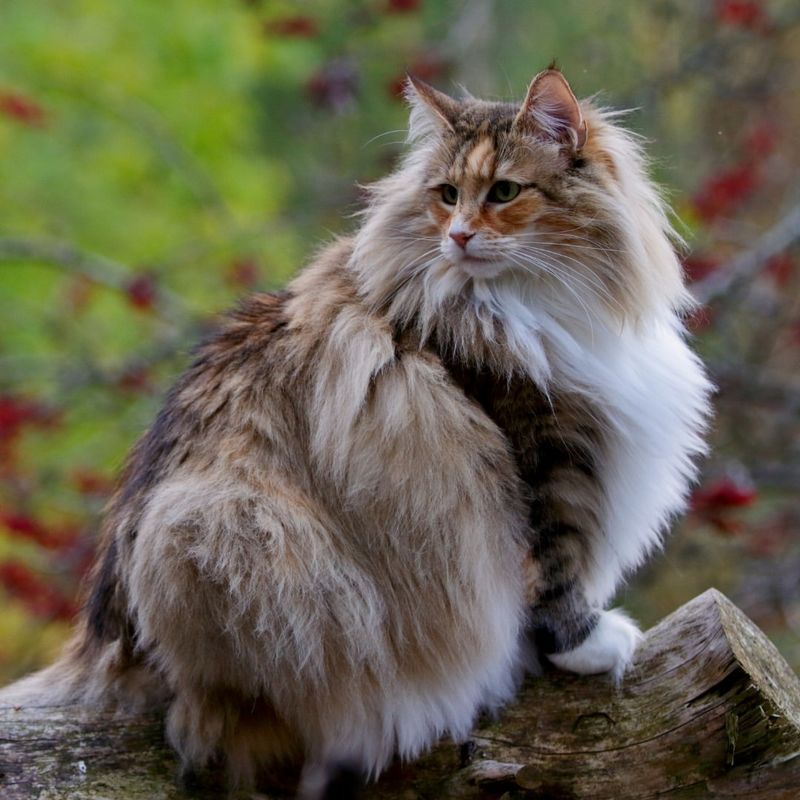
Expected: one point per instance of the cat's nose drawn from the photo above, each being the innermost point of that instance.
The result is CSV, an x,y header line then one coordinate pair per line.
x,y
461,238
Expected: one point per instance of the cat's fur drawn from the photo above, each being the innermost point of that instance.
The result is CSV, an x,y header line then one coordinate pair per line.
x,y
372,497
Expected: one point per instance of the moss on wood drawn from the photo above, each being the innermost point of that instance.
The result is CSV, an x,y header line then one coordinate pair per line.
x,y
708,709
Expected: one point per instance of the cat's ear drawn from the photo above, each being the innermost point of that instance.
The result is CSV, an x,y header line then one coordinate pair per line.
x,y
430,108
551,110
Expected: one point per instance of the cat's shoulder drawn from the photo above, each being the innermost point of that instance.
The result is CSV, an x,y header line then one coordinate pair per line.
x,y
300,311
253,320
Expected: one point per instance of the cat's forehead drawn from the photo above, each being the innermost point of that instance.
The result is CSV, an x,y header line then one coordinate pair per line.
x,y
483,139
480,119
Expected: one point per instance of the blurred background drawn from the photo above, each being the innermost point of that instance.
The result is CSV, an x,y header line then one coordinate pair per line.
x,y
159,158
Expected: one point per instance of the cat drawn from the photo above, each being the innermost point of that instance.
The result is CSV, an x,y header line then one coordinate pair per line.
x,y
376,498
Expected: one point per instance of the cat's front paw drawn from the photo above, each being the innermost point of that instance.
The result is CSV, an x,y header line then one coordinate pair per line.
x,y
608,648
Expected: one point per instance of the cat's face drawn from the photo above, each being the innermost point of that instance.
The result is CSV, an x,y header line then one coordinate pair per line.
x,y
521,189
492,192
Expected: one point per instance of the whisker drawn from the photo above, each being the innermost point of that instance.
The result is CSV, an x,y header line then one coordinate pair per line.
x,y
567,278
585,280
567,245
547,269
568,241
381,135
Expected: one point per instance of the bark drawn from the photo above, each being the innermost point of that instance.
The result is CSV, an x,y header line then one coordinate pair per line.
x,y
708,709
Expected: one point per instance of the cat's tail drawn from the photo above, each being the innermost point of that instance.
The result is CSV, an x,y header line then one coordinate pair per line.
x,y
87,673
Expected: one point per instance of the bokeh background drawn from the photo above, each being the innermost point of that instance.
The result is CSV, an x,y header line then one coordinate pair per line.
x,y
158,158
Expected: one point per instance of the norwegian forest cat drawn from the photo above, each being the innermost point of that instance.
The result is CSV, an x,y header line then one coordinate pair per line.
x,y
376,498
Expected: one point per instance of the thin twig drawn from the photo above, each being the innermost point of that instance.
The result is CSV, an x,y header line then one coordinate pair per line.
x,y
772,243
97,268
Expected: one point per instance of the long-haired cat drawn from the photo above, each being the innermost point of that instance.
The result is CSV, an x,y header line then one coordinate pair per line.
x,y
374,499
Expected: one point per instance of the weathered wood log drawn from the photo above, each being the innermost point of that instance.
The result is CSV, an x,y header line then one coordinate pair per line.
x,y
708,709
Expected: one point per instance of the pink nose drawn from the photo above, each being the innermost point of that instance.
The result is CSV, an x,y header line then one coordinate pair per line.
x,y
461,238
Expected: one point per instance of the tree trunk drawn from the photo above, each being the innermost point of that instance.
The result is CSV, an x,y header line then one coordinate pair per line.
x,y
708,709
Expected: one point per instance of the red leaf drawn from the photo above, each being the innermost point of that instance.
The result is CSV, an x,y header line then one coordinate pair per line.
x,y
92,484
747,14
15,412
40,598
141,292
22,109
135,379
762,139
721,494
402,6
698,266
25,527
242,273
780,269
723,193
299,27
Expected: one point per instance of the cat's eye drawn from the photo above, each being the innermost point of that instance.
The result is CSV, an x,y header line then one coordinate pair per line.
x,y
449,194
503,192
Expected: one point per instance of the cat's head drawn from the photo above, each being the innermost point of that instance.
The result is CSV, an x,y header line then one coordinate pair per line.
x,y
498,171
548,196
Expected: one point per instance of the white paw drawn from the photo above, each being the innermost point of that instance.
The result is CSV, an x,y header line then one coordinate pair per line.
x,y
608,648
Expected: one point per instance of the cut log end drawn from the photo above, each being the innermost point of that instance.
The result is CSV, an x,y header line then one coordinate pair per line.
x,y
709,708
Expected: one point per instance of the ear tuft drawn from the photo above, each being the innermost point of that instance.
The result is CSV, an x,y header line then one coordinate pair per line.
x,y
551,110
431,109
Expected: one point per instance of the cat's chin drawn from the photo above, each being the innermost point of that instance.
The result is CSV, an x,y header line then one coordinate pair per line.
x,y
481,268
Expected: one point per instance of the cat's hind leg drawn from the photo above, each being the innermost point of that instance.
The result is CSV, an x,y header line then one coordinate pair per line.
x,y
321,780
243,735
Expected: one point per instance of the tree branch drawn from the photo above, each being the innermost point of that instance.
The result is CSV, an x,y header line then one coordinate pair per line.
x,y
773,242
98,269
708,709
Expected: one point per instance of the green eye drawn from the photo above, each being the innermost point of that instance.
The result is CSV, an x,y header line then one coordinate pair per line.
x,y
449,194
503,192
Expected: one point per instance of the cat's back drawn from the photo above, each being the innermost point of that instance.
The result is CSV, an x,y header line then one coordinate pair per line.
x,y
246,384
314,472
